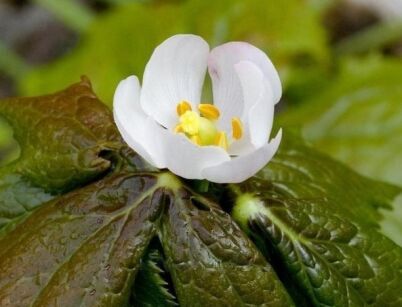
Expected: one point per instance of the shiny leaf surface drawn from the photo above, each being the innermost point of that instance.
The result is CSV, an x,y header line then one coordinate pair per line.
x,y
61,136
211,261
85,222
83,248
358,120
318,222
65,140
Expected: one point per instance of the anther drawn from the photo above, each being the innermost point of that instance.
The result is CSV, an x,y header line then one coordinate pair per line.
x,y
183,107
237,128
178,128
209,111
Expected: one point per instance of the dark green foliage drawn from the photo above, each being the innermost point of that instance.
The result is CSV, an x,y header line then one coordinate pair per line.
x,y
85,222
82,248
62,139
211,260
319,222
61,136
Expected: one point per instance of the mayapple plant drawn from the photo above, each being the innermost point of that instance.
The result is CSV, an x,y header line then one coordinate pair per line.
x,y
85,220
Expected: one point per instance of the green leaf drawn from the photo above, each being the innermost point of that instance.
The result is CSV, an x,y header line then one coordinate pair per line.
x,y
302,172
65,140
120,43
318,223
358,118
151,288
86,247
17,198
211,261
83,248
61,136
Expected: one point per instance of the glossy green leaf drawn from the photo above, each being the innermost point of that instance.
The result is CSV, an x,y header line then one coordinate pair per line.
x,y
211,261
128,234
302,172
318,222
83,248
358,118
120,43
61,136
17,198
64,140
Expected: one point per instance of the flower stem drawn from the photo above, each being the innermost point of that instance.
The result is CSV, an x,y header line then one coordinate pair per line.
x,y
202,186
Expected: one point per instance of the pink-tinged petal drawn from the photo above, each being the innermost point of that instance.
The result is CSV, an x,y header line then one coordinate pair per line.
x,y
138,130
175,72
243,167
187,160
228,95
259,103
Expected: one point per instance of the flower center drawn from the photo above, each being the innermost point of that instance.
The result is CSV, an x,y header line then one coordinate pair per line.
x,y
201,127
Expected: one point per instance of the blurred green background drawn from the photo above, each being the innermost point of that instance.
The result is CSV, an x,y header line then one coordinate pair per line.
x,y
340,61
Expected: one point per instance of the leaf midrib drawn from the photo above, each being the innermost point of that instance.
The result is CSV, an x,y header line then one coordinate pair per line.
x,y
296,239
124,213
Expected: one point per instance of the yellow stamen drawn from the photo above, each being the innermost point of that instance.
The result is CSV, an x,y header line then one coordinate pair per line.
x,y
221,140
178,129
209,111
190,123
200,127
196,140
183,107
237,128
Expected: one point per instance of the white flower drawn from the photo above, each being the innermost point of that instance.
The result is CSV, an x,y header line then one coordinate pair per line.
x,y
166,124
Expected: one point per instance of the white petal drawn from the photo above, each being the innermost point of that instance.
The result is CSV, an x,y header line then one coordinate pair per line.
x,y
242,146
226,84
175,72
243,167
188,160
257,116
227,93
258,102
138,130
